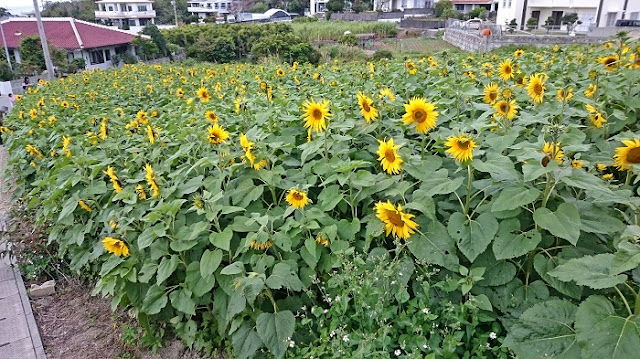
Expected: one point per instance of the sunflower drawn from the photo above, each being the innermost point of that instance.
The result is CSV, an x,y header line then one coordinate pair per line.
x,y
64,104
628,155
461,147
115,246
597,119
113,177
142,195
180,92
411,67
577,164
552,151
280,72
521,81
491,92
388,157
507,93
245,143
506,70
536,88
217,134
315,114
591,90
211,116
518,53
367,110
386,92
610,63
422,113
84,206
506,109
203,94
150,176
66,141
297,198
564,96
396,222
152,139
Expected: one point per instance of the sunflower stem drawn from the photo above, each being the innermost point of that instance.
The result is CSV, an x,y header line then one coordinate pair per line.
x,y
326,147
627,180
469,180
626,304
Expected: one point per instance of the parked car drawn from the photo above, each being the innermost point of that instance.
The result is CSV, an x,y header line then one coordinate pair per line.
x,y
473,24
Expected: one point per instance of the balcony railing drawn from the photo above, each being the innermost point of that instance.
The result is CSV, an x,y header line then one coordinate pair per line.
x,y
125,14
202,9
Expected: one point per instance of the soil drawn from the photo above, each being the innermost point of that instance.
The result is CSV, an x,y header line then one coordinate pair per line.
x,y
74,324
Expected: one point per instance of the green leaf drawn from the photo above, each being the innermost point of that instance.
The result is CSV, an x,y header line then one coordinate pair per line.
x,y
510,242
283,276
197,228
197,283
591,271
274,329
434,245
69,206
603,334
181,300
245,342
233,268
514,197
222,240
190,186
210,261
543,265
626,258
438,183
166,268
154,300
473,236
545,330
329,198
563,223
498,166
590,183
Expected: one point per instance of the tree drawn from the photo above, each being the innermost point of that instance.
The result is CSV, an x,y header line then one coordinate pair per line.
x,y
335,5
441,6
571,20
451,13
532,23
478,12
79,9
157,37
297,6
548,24
4,12
33,57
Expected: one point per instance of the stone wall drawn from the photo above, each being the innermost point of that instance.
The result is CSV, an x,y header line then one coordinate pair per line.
x,y
472,41
421,24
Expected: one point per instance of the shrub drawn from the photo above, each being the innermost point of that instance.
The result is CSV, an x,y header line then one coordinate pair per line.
x,y
441,6
349,40
304,19
382,54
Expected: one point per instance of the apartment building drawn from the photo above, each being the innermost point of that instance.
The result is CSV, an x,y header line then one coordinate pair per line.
x,y
121,12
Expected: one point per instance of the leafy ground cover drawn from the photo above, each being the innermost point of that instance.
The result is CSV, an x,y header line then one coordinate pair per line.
x,y
448,206
332,30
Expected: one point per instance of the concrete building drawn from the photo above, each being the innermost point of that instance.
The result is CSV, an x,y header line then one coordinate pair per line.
x,y
121,12
207,8
96,44
393,5
592,13
464,6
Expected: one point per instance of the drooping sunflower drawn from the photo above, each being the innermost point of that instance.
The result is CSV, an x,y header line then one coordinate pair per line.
x,y
150,176
217,134
297,199
564,95
628,155
316,114
461,147
536,88
245,143
115,246
521,81
597,119
142,195
506,109
491,92
591,90
84,206
422,113
368,111
113,177
506,70
211,116
386,92
204,95
396,222
610,63
389,157
577,164
552,151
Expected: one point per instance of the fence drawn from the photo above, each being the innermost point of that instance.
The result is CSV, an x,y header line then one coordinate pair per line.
x,y
422,24
376,16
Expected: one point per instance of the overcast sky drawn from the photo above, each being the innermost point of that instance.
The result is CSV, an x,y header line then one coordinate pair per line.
x,y
17,7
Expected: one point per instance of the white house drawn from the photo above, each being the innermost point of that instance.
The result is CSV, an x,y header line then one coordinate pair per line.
x,y
130,12
318,6
391,5
206,8
96,44
464,6
592,13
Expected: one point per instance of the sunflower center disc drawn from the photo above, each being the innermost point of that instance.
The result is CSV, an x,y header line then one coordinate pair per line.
x,y
365,107
504,108
493,96
317,114
395,218
297,196
463,144
537,89
634,155
389,156
420,116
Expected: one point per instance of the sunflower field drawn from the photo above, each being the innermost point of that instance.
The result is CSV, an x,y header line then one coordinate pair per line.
x,y
450,206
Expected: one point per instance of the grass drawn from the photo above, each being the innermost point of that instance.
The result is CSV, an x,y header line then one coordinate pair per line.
x,y
414,45
332,30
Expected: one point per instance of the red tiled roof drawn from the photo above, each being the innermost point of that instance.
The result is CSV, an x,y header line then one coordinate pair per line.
x,y
65,33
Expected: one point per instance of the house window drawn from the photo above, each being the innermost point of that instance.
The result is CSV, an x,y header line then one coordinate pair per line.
x,y
228,5
142,8
634,16
216,6
504,3
404,4
96,57
129,8
460,7
223,6
107,55
143,22
110,8
509,4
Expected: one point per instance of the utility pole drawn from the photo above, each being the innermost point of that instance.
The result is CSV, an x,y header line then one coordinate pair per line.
x,y
43,40
6,49
175,12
